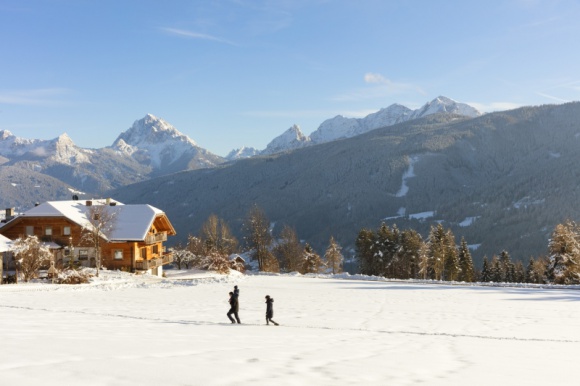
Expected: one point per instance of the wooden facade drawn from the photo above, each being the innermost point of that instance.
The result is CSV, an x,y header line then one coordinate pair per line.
x,y
69,239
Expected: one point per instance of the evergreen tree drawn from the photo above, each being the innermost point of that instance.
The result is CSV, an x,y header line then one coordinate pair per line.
x,y
424,262
485,271
312,263
530,272
410,252
364,251
564,247
333,256
504,267
495,270
451,259
467,273
519,272
437,239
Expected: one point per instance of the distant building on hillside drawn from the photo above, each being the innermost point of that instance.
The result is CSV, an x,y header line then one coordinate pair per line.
x,y
130,237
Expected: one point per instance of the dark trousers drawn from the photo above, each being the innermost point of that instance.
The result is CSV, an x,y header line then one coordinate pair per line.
x,y
235,312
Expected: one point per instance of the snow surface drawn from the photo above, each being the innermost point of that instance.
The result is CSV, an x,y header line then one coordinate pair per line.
x,y
343,330
409,173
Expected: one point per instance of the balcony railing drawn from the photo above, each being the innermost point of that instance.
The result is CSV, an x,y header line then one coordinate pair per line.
x,y
156,238
144,265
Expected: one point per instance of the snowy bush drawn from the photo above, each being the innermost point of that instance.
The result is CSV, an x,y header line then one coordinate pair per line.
x,y
30,256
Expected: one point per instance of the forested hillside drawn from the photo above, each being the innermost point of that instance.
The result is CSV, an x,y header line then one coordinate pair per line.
x,y
503,181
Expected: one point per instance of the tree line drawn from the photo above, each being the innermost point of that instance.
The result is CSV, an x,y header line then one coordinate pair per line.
x,y
396,254
386,251
215,245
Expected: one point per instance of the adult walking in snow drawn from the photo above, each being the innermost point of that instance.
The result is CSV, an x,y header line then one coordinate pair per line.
x,y
234,308
270,310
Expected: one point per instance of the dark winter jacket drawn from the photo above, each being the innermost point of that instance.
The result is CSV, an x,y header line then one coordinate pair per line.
x,y
234,303
270,308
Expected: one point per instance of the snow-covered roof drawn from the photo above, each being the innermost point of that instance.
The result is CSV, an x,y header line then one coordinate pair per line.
x,y
5,244
132,222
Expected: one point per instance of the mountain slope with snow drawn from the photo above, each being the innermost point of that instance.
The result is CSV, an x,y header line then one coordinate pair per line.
x,y
291,139
507,171
154,141
341,127
151,147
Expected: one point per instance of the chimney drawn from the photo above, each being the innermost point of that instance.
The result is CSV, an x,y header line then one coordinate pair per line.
x,y
9,213
89,203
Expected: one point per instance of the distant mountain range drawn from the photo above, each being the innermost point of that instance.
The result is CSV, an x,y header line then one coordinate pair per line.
x,y
152,147
341,127
502,180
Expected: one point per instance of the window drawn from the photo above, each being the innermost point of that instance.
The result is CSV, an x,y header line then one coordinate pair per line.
x,y
83,254
48,231
66,231
155,249
29,230
119,254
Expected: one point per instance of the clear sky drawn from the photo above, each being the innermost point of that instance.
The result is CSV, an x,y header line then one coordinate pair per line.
x,y
232,73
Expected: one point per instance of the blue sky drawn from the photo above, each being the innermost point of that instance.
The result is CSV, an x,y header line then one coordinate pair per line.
x,y
238,73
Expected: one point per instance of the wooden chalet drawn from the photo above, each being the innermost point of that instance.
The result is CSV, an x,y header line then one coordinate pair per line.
x,y
129,237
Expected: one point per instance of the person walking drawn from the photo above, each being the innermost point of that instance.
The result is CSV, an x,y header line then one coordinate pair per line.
x,y
270,310
234,308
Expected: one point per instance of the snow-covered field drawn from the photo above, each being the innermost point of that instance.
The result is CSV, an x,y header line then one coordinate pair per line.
x,y
140,330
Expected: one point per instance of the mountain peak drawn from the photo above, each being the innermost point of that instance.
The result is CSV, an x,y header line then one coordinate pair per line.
x,y
151,130
291,139
443,104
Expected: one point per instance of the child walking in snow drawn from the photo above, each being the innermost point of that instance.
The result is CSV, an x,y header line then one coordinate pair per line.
x,y
270,310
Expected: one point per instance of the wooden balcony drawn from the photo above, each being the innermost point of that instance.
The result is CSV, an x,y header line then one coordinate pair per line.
x,y
156,238
144,265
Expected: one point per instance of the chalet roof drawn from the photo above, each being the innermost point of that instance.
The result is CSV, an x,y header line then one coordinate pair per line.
x,y
5,244
132,222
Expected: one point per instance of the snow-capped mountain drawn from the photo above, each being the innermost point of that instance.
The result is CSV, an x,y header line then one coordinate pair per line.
x,y
342,127
151,147
443,104
291,139
241,153
155,141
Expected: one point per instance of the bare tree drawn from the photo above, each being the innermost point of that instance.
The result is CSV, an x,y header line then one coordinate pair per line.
x,y
101,222
218,237
182,256
289,250
30,255
258,238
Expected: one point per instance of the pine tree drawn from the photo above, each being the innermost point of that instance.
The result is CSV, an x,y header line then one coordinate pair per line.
x,y
495,270
504,267
485,271
530,272
519,272
451,259
410,247
424,262
364,251
467,273
333,256
564,250
437,251
312,263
